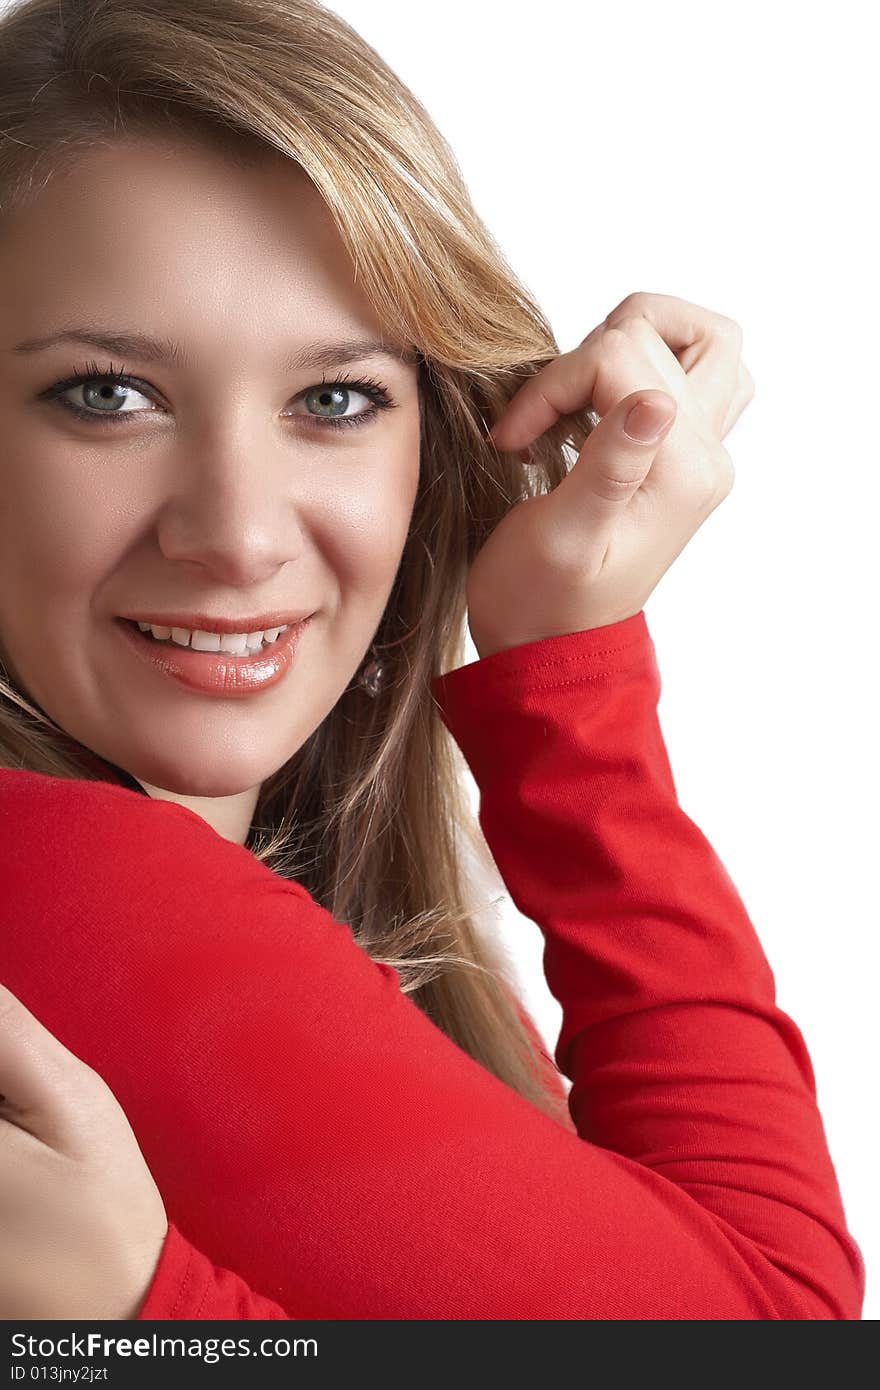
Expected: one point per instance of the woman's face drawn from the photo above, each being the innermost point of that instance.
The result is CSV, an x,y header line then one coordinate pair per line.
x,y
218,487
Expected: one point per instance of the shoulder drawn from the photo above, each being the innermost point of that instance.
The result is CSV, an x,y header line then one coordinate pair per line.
x,y
62,819
74,834
36,795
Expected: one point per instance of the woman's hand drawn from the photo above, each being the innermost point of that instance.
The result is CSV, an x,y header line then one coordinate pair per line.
x,y
82,1221
590,552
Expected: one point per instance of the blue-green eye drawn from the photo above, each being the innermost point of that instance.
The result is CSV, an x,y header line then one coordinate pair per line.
x,y
325,399
110,391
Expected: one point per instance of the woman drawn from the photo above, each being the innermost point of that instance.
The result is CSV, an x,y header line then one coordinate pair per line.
x,y
236,920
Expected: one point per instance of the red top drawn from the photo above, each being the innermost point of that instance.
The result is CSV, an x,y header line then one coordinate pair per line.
x,y
310,1129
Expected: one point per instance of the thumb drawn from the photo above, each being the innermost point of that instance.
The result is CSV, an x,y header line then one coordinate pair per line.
x,y
41,1082
617,457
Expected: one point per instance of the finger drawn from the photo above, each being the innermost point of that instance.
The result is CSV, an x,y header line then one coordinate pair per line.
x,y
709,367
708,345
39,1078
674,335
684,464
564,385
743,395
612,465
598,372
681,324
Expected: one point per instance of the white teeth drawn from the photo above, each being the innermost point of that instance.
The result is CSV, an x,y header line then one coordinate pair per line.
x,y
234,643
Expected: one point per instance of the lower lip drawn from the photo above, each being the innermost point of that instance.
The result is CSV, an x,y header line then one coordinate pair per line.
x,y
217,673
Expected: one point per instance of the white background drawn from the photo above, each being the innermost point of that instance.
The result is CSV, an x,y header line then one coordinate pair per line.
x,y
725,154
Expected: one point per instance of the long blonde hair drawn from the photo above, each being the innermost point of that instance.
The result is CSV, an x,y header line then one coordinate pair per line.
x,y
371,814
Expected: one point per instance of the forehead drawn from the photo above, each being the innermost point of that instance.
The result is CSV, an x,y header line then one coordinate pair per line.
x,y
177,200
218,245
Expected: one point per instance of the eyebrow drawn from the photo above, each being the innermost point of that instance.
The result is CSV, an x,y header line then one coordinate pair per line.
x,y
167,351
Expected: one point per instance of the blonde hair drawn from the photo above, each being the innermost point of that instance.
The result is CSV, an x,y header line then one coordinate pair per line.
x,y
370,814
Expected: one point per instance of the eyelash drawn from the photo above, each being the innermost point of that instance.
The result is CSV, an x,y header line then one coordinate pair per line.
x,y
90,372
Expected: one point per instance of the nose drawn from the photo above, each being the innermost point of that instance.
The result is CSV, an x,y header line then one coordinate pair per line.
x,y
234,512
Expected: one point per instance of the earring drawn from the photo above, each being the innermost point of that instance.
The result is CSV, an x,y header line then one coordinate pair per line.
x,y
372,676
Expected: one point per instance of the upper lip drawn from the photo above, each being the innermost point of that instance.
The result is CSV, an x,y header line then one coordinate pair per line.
x,y
203,622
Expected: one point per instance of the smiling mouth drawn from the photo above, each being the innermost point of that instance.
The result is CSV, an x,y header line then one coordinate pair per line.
x,y
218,673
248,655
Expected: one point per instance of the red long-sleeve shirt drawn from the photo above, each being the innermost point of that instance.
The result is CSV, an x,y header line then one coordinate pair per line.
x,y
312,1131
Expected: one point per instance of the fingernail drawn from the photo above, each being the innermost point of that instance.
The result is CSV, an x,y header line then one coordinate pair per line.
x,y
647,421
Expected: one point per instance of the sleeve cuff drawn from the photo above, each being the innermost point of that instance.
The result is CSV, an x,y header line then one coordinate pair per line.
x,y
179,1282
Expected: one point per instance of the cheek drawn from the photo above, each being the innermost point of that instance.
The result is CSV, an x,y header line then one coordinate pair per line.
x,y
366,530
361,553
57,543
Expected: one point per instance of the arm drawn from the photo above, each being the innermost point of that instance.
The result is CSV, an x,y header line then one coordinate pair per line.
x,y
187,1286
309,1127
